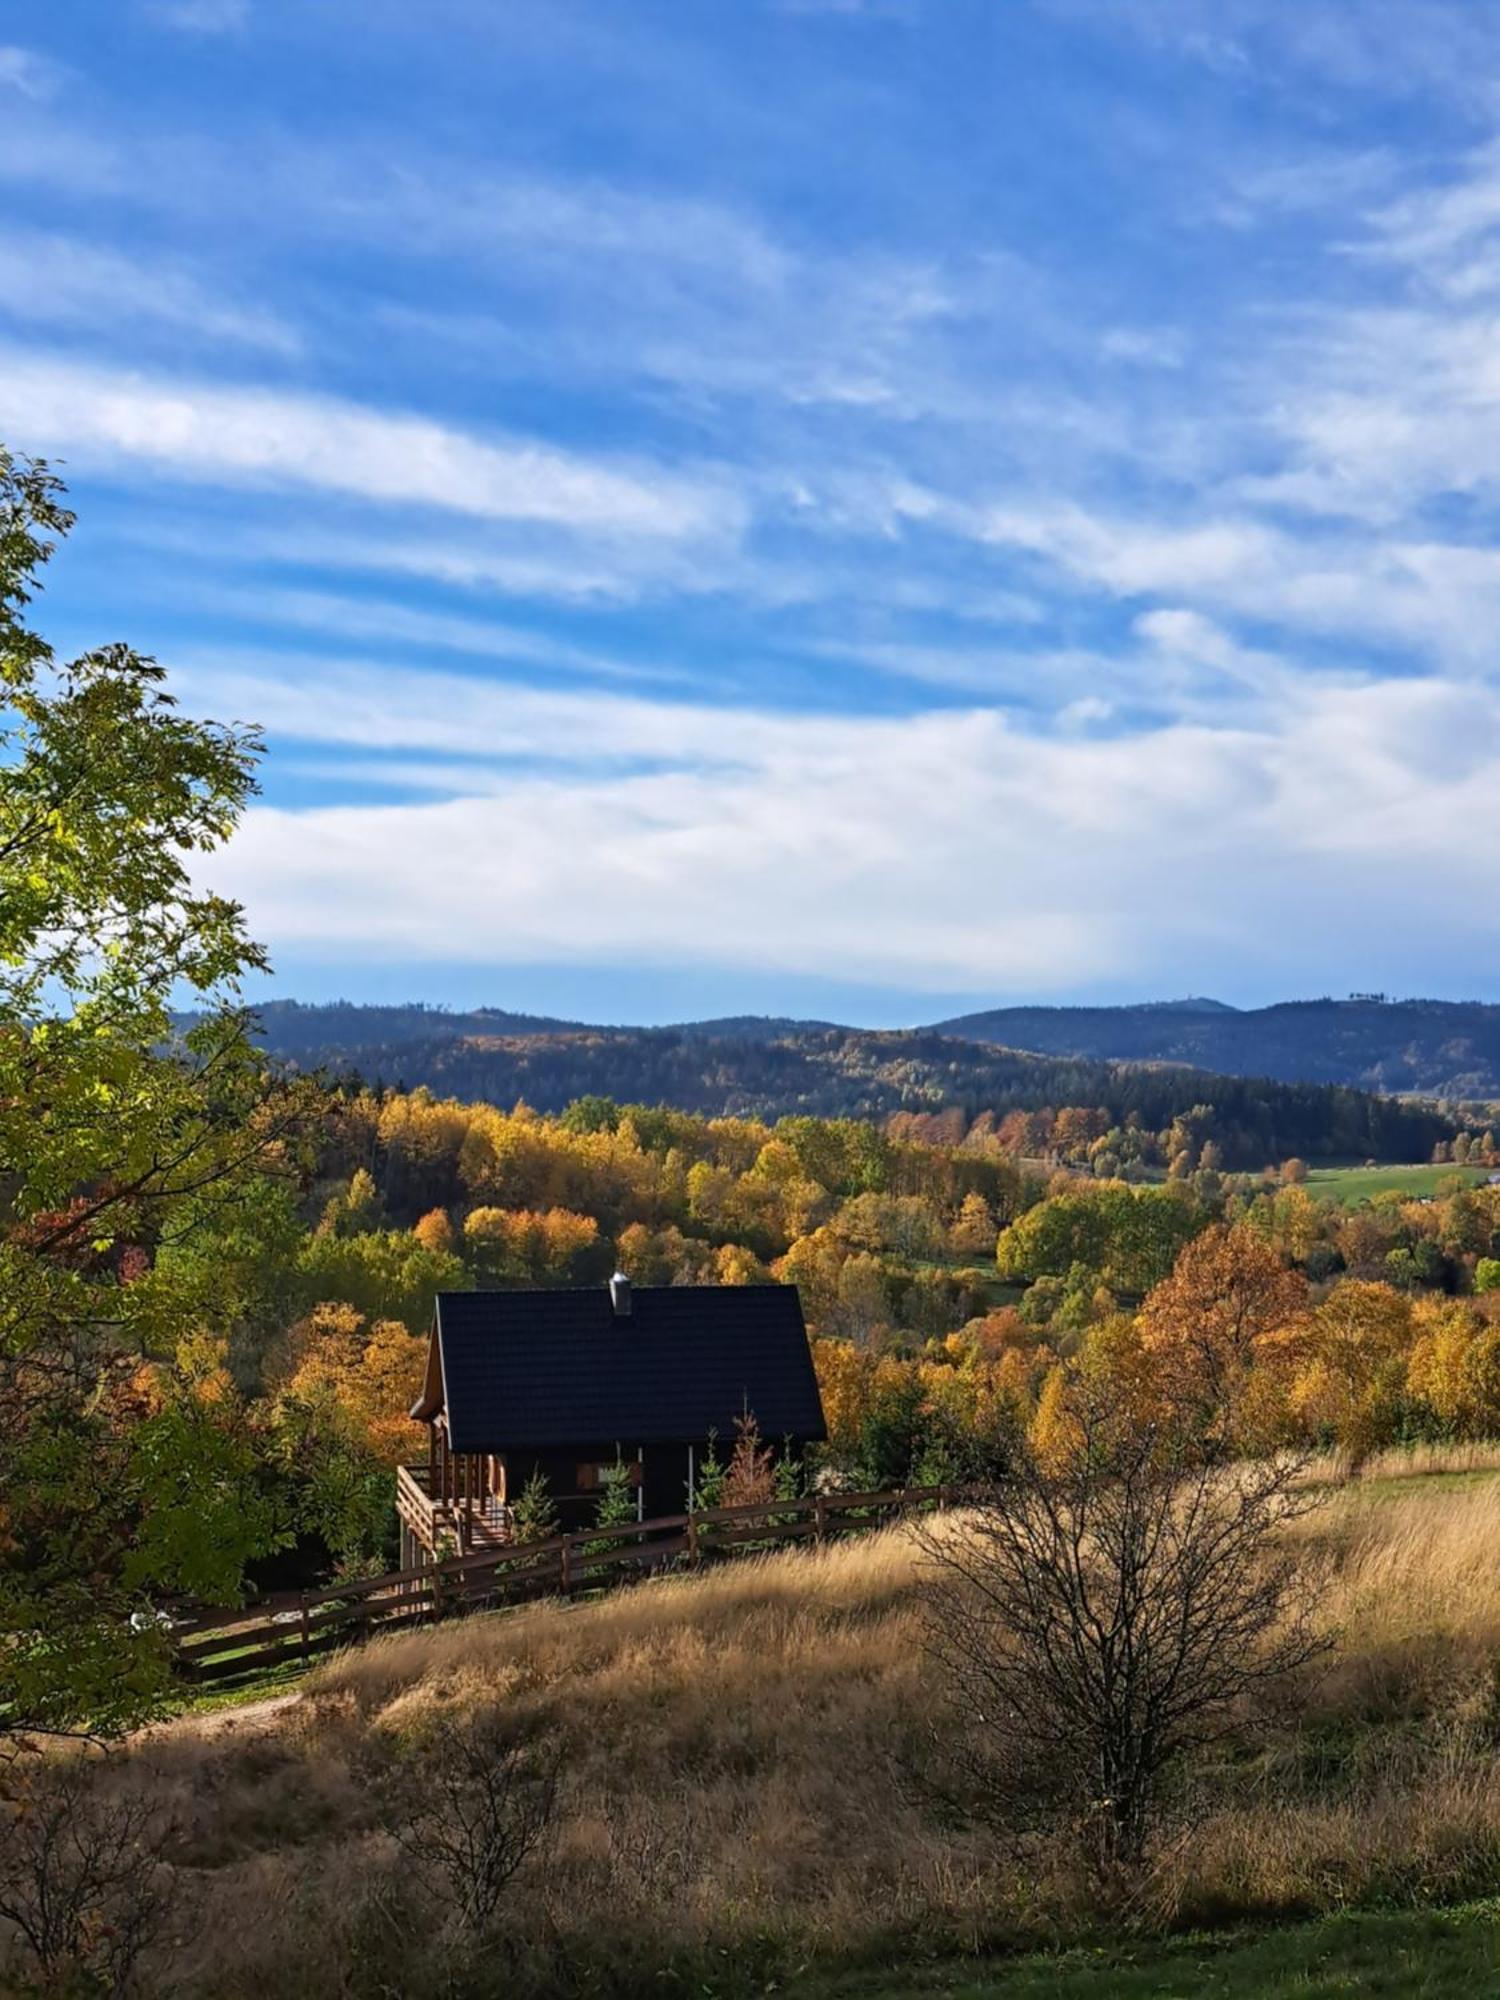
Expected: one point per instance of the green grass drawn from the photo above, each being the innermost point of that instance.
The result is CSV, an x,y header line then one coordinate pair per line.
x,y
212,1695
1401,1486
984,1278
1390,1955
1351,1185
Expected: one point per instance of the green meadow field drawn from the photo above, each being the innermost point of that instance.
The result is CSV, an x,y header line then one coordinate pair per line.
x,y
1396,1955
1349,1186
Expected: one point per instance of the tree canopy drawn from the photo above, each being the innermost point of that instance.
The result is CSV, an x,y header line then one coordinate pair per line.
x,y
114,1131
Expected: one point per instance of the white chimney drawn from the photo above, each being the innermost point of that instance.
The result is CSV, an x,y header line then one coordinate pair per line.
x,y
619,1295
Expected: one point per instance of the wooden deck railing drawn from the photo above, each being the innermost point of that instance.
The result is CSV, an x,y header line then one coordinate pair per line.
x,y
415,1505
225,1646
433,1522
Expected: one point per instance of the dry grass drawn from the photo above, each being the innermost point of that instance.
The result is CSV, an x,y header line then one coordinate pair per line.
x,y
737,1751
1418,1461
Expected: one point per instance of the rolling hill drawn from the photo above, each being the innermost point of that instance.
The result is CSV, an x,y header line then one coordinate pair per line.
x,y
774,1069
1433,1048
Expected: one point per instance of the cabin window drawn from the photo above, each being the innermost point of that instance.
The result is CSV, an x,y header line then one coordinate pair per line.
x,y
592,1475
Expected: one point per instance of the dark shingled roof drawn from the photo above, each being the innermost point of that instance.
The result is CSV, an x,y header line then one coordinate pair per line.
x,y
534,1370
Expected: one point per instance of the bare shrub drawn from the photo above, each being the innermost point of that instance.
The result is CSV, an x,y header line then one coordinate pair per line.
x,y
1106,1609
473,1800
84,1886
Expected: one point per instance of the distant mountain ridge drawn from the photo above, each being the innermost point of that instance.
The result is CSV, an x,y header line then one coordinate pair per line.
x,y
770,1069
1430,1048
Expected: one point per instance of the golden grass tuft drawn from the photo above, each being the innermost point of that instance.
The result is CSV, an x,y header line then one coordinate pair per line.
x,y
759,1616
1419,1461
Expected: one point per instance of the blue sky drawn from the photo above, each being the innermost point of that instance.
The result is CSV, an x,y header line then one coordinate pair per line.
x,y
842,506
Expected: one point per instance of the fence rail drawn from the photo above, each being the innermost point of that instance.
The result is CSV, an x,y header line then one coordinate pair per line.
x,y
225,1646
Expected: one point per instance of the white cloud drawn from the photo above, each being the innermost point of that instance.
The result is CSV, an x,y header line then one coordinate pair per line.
x,y
945,850
1143,346
1441,599
1134,557
680,295
356,702
205,431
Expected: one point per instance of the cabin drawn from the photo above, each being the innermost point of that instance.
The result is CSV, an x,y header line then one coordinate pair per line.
x,y
568,1383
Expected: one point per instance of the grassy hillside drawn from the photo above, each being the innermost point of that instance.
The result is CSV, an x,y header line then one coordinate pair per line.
x,y
1389,1955
1351,1185
741,1799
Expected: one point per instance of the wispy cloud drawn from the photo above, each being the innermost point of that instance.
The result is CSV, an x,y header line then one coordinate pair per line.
x,y
400,625
1390,49
201,17
28,71
201,430
56,280
1038,516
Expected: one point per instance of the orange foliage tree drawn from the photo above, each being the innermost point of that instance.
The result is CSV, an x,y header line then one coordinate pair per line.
x,y
1353,1353
1217,1328
373,1373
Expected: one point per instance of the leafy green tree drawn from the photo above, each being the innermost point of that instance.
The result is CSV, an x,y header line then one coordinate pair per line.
x,y
240,1254
115,1131
894,1436
357,1210
846,1155
337,1489
1130,1236
789,1475
591,1114
385,1273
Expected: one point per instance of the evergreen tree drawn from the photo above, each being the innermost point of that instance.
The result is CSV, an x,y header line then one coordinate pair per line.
x,y
534,1515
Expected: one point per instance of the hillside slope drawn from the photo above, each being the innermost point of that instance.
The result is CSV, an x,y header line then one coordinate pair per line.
x,y
1430,1048
842,1072
1437,1048
737,1810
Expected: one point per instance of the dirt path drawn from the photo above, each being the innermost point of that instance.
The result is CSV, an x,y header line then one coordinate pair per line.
x,y
232,1719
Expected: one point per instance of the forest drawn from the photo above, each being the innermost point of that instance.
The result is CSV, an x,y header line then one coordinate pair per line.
x,y
774,1069
1444,1049
1435,1048
948,1284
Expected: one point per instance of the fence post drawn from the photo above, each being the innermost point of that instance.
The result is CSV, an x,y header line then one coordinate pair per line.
x,y
692,1539
306,1632
565,1565
820,1518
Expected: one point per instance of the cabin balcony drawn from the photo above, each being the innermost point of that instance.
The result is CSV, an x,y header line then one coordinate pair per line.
x,y
434,1522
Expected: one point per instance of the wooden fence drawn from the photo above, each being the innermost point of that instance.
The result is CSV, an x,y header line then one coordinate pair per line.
x,y
228,1645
